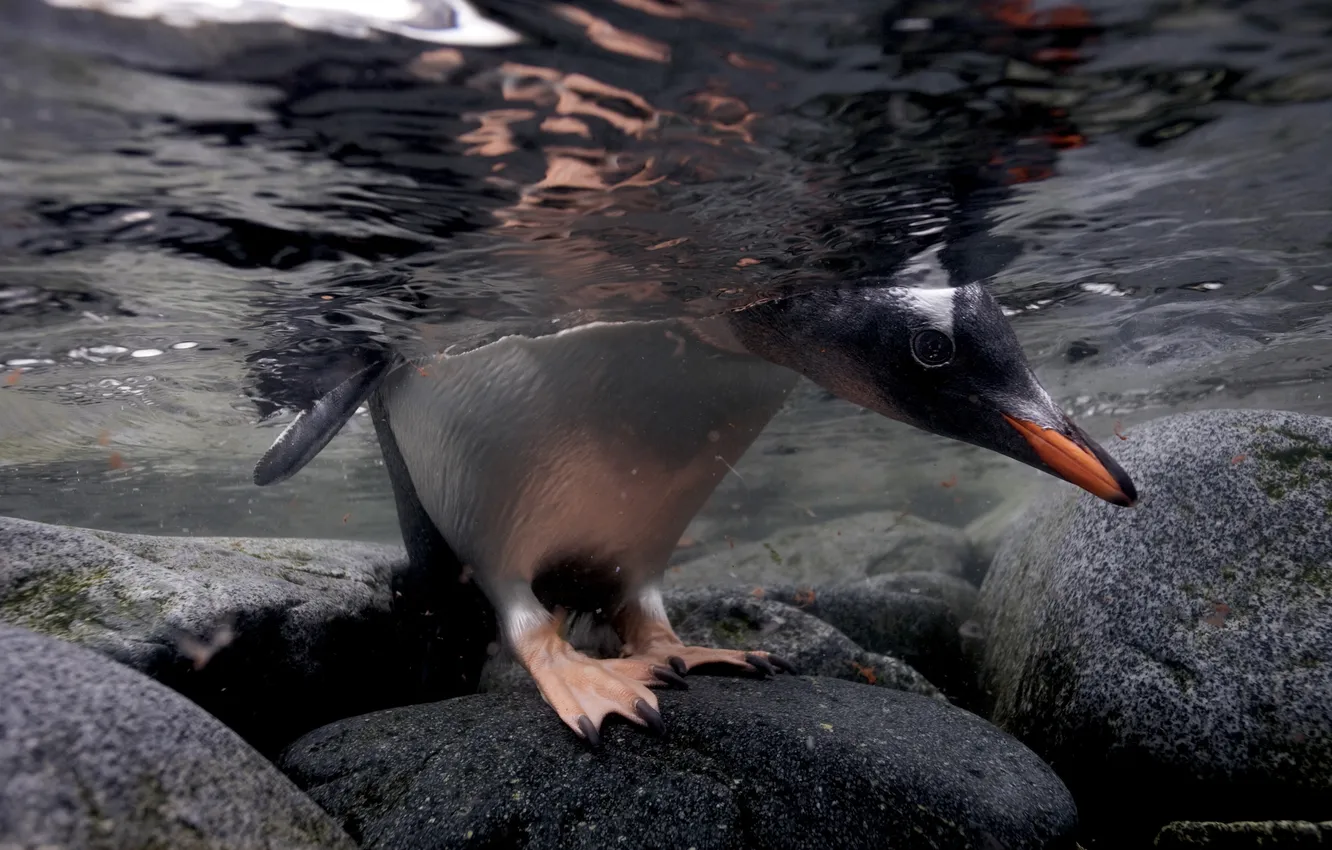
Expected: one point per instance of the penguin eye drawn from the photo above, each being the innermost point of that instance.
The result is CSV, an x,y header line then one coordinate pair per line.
x,y
931,347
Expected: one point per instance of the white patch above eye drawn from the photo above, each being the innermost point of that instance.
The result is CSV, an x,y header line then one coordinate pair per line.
x,y
923,289
935,306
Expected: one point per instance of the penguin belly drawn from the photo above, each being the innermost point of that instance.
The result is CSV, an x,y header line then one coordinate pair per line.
x,y
576,460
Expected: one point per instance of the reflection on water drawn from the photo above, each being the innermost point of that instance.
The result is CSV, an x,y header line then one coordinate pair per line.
x,y
206,225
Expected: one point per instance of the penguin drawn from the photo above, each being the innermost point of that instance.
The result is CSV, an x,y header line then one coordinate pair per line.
x,y
563,468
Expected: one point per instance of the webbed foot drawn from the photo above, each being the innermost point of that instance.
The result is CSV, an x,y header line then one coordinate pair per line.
x,y
585,690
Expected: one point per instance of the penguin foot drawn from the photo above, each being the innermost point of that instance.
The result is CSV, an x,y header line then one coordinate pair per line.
x,y
683,659
584,690
650,640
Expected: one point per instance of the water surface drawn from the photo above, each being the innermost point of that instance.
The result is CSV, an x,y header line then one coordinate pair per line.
x,y
201,227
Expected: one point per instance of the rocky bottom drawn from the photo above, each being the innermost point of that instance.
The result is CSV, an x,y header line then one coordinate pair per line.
x,y
1154,677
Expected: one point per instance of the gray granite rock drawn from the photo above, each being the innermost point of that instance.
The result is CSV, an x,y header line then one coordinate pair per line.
x,y
272,636
94,755
728,620
790,762
1244,835
848,548
1180,652
916,617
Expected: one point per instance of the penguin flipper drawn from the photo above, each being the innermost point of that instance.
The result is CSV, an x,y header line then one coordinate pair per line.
x,y
312,429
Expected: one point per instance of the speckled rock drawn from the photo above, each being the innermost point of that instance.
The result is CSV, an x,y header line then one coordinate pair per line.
x,y
723,618
1244,835
786,763
912,616
94,755
1179,652
710,617
273,636
849,548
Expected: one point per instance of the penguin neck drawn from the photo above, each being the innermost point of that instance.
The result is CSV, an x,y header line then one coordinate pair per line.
x,y
817,335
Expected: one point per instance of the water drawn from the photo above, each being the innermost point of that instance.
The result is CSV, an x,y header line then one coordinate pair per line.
x,y
201,226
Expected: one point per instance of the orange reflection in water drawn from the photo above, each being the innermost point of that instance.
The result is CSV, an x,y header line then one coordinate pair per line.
x,y
605,35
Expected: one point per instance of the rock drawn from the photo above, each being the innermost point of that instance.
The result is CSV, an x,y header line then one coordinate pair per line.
x,y
1269,835
791,762
272,636
709,617
848,548
725,619
94,755
1179,652
912,616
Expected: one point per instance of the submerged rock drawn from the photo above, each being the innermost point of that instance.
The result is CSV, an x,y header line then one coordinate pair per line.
x,y
273,636
94,755
1244,835
1180,652
849,548
709,617
784,763
916,617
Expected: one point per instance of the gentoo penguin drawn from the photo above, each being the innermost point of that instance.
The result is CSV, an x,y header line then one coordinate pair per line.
x,y
564,468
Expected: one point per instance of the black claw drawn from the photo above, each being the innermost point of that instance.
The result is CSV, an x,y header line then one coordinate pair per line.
x,y
590,732
670,677
781,663
650,716
678,664
760,663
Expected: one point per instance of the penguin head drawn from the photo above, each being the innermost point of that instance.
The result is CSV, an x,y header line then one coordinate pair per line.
x,y
943,359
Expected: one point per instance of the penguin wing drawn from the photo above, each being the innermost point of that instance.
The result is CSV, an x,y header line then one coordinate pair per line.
x,y
312,429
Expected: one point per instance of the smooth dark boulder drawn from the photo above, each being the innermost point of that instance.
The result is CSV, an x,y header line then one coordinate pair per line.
x,y
916,617
1174,661
273,636
94,755
790,762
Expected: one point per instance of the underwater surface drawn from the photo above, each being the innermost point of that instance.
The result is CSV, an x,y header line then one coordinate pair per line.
x,y
203,226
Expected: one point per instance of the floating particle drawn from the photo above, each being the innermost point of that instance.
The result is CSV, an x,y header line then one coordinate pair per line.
x,y
951,482
1118,429
1220,611
12,379
115,461
201,651
866,672
669,243
104,437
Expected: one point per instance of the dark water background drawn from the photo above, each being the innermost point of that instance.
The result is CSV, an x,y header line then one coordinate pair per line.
x,y
200,227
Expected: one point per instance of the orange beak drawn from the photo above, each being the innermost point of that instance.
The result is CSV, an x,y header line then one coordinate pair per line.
x,y
1074,463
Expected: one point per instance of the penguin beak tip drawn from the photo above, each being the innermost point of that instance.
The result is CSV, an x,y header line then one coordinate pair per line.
x,y
1078,461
